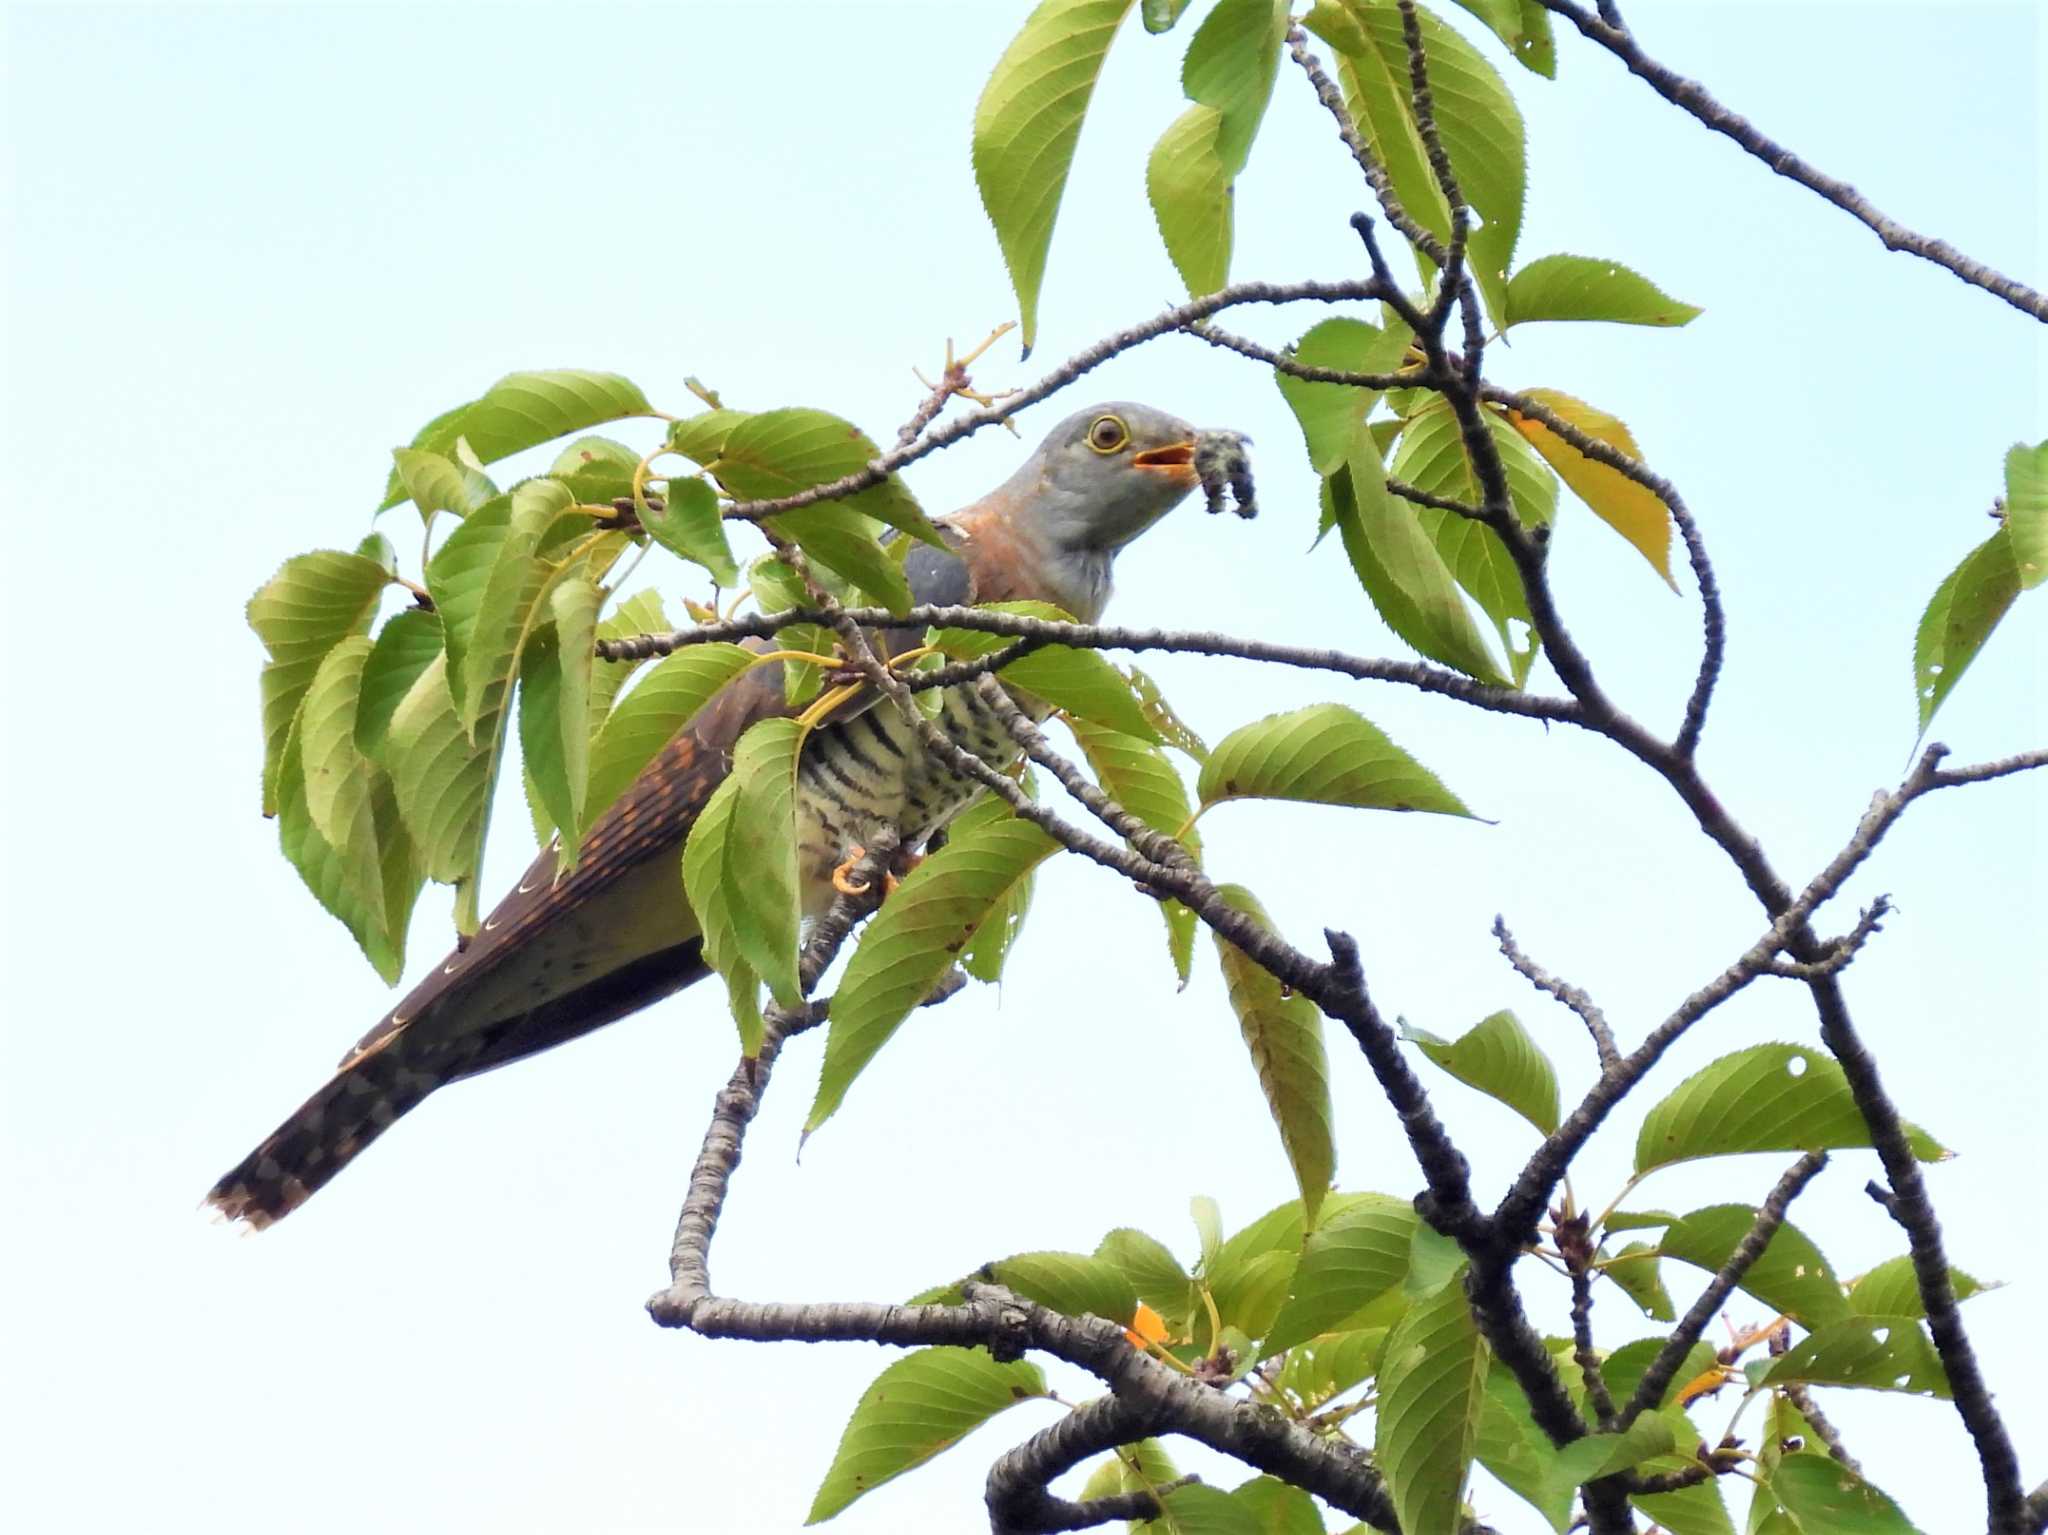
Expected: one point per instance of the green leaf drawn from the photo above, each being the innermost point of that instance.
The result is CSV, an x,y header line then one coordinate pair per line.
x,y
1767,1098
1208,1221
1891,1289
1498,1056
707,864
1827,1498
1160,15
312,604
1073,1284
1638,1220
1960,616
1153,1271
1524,26
1284,1033
1137,775
1347,1262
439,482
1476,117
1791,1276
1200,1510
913,939
665,700
1519,1454
1167,725
405,647
1080,683
1327,1366
1598,1455
2026,511
1278,1508
596,470
443,781
522,410
371,879
554,707
1628,508
1878,1353
1431,1392
1635,1269
1695,1510
1587,288
761,858
336,786
1228,74
923,1403
1330,415
1624,1369
702,437
1325,754
1026,125
689,525
1249,1292
780,452
1401,570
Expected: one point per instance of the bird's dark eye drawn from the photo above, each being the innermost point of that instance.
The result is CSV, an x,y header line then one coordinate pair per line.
x,y
1108,434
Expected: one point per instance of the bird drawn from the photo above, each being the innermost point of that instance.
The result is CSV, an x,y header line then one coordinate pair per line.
x,y
568,951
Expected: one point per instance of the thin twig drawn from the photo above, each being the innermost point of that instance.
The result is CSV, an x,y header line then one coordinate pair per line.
x,y
1571,996
1823,1430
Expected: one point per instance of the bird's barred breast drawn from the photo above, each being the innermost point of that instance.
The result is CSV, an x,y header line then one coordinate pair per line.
x,y
860,775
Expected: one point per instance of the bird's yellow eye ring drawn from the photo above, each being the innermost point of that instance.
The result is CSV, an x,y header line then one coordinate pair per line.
x,y
1108,434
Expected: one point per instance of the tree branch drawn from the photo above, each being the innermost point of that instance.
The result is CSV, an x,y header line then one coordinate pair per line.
x,y
1571,996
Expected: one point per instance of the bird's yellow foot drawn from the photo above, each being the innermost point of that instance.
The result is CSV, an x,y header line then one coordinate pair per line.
x,y
842,877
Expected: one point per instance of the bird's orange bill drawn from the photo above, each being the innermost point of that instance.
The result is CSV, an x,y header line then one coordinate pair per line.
x,y
1177,459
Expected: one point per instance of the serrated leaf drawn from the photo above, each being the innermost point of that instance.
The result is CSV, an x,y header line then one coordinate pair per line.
x,y
1637,1220
1025,127
596,470
1624,1369
780,452
1878,1353
1167,725
405,647
662,703
439,482
923,1403
1587,288
1197,1509
1228,73
1524,26
1892,1289
1153,1272
708,887
1348,1261
913,939
1597,1455
313,603
689,524
1073,1284
336,776
366,874
1695,1510
1959,618
1500,1058
1401,570
1519,1454
1791,1276
1248,1292
1477,122
1767,1098
1330,415
761,855
1628,508
1635,1269
1160,15
1431,1393
1208,1221
484,653
1137,775
523,410
2026,511
1081,683
443,781
1325,754
1329,1365
554,707
1284,1033
1827,1498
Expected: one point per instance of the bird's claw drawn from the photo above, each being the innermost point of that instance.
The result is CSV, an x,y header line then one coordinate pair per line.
x,y
842,877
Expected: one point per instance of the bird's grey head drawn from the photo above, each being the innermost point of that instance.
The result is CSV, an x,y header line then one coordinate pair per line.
x,y
1098,480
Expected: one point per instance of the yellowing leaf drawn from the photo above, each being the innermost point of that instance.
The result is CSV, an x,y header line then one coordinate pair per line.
x,y
1630,509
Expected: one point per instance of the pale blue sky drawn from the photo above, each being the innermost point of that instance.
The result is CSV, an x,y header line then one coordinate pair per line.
x,y
250,248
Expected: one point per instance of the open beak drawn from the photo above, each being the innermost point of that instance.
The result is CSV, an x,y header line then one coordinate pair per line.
x,y
1176,460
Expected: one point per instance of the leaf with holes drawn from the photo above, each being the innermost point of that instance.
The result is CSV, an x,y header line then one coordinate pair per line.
x,y
1498,1056
1587,288
1356,1255
1431,1394
1524,25
1791,1276
912,941
523,410
1630,509
1401,569
1767,1098
312,604
1325,754
1878,1353
923,1403
1827,1498
1025,127
1284,1033
1636,1270
1330,415
1959,618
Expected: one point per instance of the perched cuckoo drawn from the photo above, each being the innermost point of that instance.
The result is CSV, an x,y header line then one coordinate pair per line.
x,y
562,955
